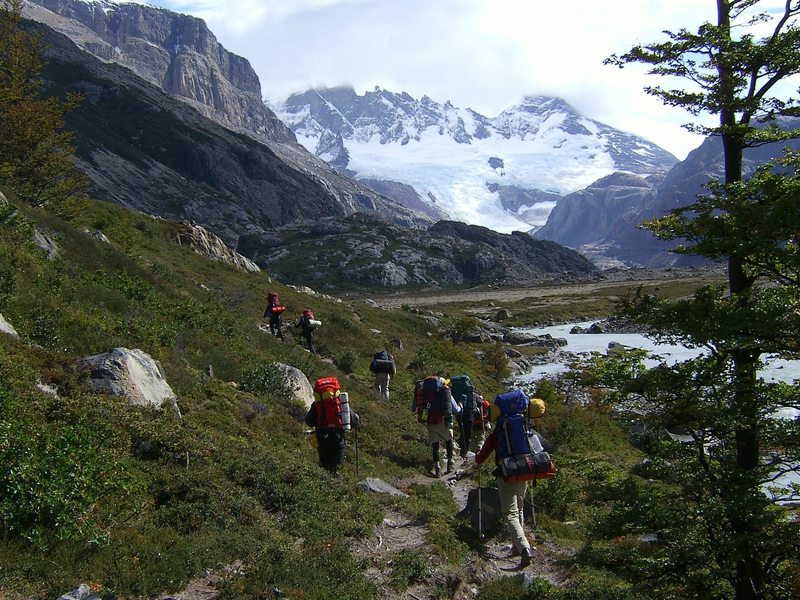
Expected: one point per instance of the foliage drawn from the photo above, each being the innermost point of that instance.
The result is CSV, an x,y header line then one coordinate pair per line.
x,y
496,361
409,567
34,147
733,540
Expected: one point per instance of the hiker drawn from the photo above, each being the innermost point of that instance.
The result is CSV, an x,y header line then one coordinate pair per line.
x,y
511,439
465,394
435,407
307,324
273,313
383,367
480,424
331,416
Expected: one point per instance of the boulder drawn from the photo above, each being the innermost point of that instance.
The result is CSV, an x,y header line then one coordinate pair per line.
x,y
82,592
203,242
7,328
297,383
379,486
46,243
132,374
490,509
502,314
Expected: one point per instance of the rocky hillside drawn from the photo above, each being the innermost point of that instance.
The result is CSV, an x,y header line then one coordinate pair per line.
x,y
173,51
602,220
457,159
181,56
145,150
363,252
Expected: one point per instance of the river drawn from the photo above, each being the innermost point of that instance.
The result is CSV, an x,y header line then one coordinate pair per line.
x,y
775,369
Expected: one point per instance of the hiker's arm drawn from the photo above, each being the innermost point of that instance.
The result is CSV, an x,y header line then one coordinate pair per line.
x,y
311,416
488,447
355,420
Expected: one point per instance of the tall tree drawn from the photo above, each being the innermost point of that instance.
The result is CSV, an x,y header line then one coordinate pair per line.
x,y
35,150
732,69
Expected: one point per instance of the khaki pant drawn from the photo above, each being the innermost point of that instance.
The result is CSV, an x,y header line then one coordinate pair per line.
x,y
440,432
381,386
512,498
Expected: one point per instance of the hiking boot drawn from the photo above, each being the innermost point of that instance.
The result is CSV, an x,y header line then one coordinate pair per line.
x,y
449,466
526,558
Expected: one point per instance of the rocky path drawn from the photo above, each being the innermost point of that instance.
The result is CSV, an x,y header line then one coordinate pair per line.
x,y
398,532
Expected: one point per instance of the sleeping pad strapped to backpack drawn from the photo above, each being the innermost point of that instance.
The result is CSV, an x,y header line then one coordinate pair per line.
x,y
519,450
382,362
333,406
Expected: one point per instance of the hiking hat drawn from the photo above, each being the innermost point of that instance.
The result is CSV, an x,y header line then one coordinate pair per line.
x,y
536,407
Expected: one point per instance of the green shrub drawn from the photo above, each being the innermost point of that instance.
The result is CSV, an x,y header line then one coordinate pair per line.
x,y
347,360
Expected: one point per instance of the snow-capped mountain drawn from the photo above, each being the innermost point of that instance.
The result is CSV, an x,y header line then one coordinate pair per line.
x,y
468,166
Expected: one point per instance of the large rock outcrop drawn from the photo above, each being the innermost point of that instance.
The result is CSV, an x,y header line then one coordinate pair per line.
x,y
132,374
602,221
144,152
147,151
361,251
205,243
173,51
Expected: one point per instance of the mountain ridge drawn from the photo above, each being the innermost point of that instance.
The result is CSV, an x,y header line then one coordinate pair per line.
x,y
455,158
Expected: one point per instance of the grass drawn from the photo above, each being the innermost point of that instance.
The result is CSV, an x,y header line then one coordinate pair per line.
x,y
138,502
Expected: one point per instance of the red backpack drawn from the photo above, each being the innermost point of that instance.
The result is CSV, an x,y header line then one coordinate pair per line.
x,y
274,304
330,413
433,402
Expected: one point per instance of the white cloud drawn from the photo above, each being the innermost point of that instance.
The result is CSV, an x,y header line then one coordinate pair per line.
x,y
483,54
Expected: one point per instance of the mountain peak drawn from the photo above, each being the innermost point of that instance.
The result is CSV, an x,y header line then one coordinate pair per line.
x,y
458,160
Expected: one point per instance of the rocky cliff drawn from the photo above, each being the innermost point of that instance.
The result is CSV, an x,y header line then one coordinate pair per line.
x,y
181,56
603,220
175,52
363,252
143,149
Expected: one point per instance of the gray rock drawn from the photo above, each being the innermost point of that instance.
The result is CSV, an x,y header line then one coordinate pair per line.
x,y
82,592
502,314
379,486
46,243
7,328
297,383
490,509
132,374
513,354
203,242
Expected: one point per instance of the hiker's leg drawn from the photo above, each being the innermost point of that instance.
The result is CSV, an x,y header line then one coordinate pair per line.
x,y
449,446
511,493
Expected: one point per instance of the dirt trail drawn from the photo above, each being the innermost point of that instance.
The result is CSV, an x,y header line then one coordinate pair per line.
x,y
398,532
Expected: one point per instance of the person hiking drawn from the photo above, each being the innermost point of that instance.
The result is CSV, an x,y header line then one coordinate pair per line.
x,y
512,438
435,407
273,312
465,394
331,416
383,367
481,424
307,324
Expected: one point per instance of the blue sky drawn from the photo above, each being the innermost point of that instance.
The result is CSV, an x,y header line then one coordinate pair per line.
x,y
481,54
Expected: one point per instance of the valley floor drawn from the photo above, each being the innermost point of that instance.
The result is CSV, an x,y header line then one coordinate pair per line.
x,y
550,289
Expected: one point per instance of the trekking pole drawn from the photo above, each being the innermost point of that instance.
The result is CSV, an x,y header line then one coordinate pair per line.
x,y
480,507
480,504
356,432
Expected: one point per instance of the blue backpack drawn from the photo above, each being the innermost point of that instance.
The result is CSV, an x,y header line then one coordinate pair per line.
x,y
512,435
513,402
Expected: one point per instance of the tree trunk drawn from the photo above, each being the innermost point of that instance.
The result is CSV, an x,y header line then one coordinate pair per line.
x,y
749,578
